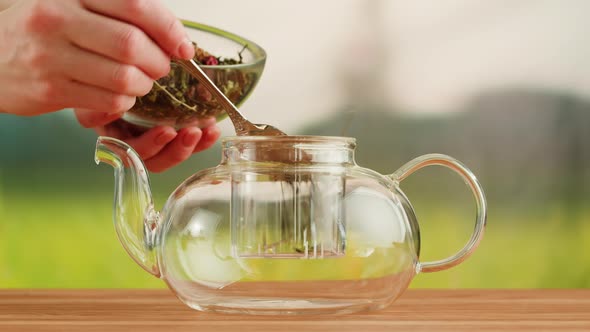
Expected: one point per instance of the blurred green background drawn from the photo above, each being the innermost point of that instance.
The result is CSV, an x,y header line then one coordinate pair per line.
x,y
521,125
55,203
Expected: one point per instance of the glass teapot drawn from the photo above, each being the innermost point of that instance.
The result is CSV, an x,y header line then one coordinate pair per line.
x,y
285,224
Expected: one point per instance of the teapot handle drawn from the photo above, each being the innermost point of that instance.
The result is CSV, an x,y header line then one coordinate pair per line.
x,y
480,203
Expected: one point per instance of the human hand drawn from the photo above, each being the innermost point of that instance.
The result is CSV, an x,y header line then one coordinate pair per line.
x,y
91,54
160,147
6,3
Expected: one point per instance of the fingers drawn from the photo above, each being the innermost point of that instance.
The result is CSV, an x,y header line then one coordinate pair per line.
x,y
101,72
153,142
78,95
153,18
147,145
161,147
209,137
122,42
177,151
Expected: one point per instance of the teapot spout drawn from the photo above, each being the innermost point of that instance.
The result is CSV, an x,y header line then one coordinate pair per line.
x,y
136,221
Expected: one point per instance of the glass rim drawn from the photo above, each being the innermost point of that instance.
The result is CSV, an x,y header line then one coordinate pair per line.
x,y
289,139
258,52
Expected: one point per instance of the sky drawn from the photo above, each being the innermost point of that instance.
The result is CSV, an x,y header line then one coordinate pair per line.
x,y
422,56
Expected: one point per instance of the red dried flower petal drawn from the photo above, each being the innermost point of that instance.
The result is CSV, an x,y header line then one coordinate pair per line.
x,y
211,61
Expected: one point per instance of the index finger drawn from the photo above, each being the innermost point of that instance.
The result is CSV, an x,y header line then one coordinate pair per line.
x,y
153,18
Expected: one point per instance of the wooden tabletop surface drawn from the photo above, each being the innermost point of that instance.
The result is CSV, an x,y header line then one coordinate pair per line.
x,y
416,310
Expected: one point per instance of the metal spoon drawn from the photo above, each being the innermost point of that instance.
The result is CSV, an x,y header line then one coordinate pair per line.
x,y
241,124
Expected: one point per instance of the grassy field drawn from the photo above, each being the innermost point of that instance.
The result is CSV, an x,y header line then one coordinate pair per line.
x,y
69,242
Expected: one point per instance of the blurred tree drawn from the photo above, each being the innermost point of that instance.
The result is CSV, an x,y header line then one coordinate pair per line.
x,y
529,148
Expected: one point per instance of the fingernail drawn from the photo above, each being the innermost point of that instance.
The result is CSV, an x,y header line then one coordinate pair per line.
x,y
190,139
212,130
164,138
186,50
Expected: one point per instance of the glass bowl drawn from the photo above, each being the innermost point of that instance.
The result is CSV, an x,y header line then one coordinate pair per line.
x,y
179,101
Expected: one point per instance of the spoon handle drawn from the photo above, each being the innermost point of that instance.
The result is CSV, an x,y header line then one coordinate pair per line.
x,y
241,124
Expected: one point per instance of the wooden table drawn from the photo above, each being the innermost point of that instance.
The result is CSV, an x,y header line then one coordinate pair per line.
x,y
416,310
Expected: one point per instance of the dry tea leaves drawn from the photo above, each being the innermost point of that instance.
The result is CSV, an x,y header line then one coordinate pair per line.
x,y
181,98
